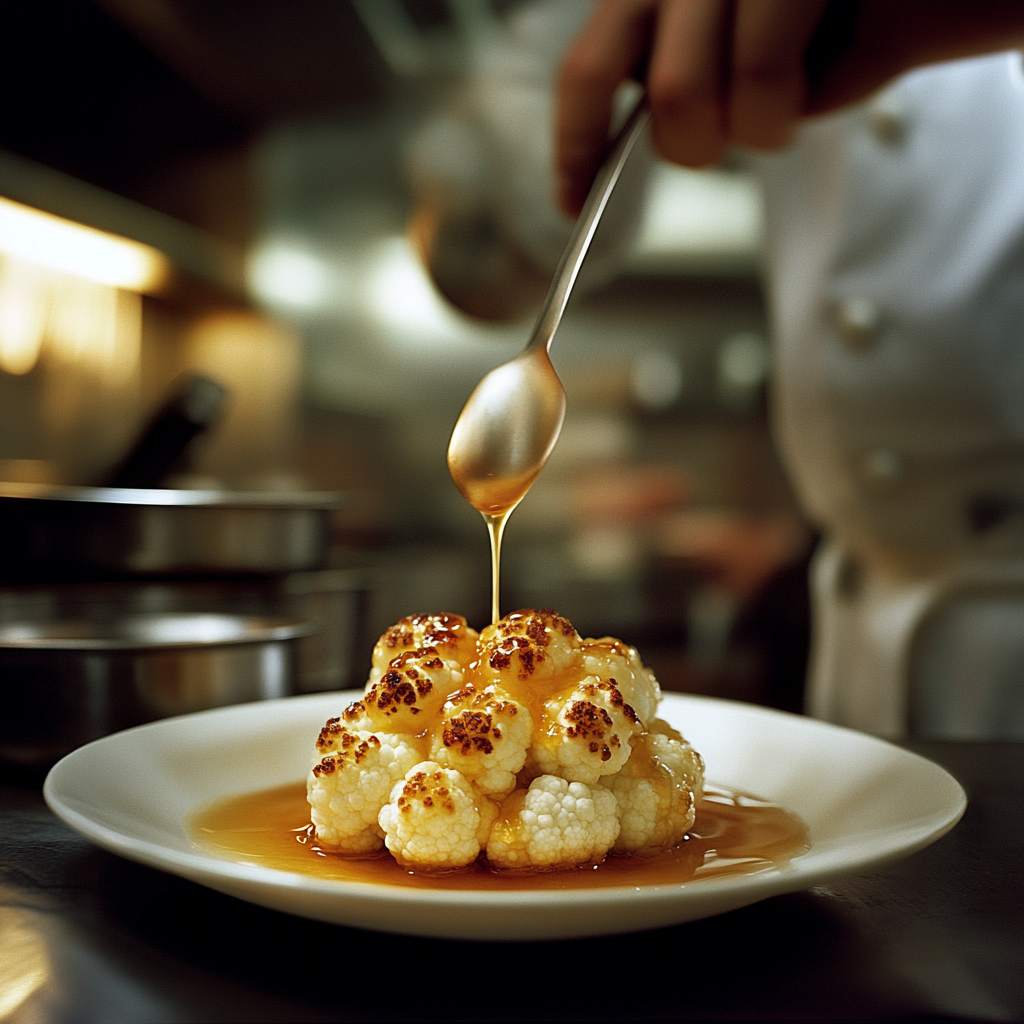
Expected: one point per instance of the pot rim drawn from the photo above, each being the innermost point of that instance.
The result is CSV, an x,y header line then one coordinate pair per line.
x,y
173,498
258,629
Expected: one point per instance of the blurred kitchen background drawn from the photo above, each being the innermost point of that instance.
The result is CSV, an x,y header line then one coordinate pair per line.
x,y
292,168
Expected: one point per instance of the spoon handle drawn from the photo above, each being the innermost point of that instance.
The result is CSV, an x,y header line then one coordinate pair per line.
x,y
586,225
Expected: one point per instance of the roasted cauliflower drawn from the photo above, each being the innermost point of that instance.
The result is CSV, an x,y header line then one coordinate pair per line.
x,y
524,745
434,818
352,778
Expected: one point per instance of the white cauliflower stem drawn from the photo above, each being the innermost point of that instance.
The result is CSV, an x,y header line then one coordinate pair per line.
x,y
524,742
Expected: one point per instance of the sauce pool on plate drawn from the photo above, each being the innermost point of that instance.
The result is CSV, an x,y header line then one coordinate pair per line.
x,y
733,835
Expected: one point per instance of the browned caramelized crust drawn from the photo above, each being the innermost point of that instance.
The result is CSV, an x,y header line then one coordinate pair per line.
x,y
615,698
524,637
471,730
354,711
591,723
470,696
351,750
328,734
443,630
404,683
587,721
535,625
529,656
425,788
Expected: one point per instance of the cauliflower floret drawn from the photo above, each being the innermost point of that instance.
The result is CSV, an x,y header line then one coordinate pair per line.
x,y
412,690
453,638
353,774
612,660
585,735
531,647
433,819
657,792
691,768
554,824
485,735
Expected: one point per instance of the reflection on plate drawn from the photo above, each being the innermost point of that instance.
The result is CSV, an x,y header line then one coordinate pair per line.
x,y
864,801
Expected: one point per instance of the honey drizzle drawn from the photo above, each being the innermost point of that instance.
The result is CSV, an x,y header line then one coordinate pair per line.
x,y
733,835
536,693
495,529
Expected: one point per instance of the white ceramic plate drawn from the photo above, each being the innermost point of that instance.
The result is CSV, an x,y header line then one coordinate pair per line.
x,y
865,802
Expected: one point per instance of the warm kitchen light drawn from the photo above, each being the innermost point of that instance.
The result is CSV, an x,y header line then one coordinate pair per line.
x,y
68,321
23,314
71,248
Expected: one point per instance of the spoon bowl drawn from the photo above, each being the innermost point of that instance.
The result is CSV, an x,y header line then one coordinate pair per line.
x,y
506,432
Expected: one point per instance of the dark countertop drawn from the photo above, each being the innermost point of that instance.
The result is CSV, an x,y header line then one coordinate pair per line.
x,y
937,936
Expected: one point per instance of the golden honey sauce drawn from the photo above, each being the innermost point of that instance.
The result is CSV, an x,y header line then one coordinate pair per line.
x,y
733,835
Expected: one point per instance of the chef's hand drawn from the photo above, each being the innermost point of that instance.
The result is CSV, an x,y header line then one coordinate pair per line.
x,y
720,72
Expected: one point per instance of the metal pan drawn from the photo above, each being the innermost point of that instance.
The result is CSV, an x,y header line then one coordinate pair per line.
x,y
64,682
333,601
160,531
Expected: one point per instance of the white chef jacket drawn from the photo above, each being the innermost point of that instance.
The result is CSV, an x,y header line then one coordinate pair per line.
x,y
895,268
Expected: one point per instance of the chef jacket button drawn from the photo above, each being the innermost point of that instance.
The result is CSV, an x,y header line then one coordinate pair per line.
x,y
882,466
857,319
888,119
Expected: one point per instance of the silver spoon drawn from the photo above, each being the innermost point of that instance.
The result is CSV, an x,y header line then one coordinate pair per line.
x,y
510,423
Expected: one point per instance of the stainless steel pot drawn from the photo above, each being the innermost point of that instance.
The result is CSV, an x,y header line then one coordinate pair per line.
x,y
132,530
332,601
64,682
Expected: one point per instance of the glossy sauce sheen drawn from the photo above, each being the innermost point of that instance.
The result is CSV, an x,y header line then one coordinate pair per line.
x,y
533,693
733,835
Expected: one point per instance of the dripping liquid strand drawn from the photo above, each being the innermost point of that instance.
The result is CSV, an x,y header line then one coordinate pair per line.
x,y
495,529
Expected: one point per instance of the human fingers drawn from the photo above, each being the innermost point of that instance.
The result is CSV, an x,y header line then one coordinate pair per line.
x,y
767,84
685,80
602,57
